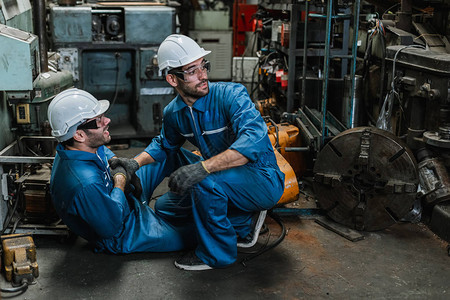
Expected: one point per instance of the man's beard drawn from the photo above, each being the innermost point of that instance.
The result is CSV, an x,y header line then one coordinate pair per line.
x,y
97,140
192,91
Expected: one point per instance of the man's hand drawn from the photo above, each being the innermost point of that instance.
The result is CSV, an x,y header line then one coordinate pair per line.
x,y
136,182
129,164
129,167
185,177
120,178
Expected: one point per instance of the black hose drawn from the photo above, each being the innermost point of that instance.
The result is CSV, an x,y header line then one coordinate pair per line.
x,y
273,245
253,79
23,287
13,210
276,132
366,61
118,56
383,68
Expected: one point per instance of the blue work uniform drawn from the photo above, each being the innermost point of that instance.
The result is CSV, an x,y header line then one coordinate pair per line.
x,y
224,202
85,198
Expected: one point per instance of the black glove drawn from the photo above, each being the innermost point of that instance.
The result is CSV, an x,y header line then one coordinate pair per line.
x,y
136,182
129,167
185,177
129,164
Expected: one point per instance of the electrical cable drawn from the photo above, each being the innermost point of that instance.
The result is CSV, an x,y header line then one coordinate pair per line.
x,y
265,58
116,92
15,225
382,16
14,208
277,143
23,287
383,68
253,80
386,109
367,58
277,219
394,77
376,30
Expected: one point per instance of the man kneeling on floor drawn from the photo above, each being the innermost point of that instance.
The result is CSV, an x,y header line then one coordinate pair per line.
x,y
108,208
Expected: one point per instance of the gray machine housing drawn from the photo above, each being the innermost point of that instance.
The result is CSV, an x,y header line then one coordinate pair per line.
x,y
111,52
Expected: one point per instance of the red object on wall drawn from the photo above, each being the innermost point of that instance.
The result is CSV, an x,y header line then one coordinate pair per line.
x,y
242,23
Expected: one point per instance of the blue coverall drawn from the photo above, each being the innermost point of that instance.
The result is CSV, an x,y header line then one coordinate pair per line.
x,y
84,197
224,202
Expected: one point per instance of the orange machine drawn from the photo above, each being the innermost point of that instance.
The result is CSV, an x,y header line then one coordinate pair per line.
x,y
19,258
290,163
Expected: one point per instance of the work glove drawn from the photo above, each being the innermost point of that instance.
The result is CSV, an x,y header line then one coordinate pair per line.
x,y
185,177
119,170
129,167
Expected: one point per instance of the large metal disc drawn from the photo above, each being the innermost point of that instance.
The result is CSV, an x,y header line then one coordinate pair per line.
x,y
366,178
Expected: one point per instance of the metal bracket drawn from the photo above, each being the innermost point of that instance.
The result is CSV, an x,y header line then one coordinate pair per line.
x,y
363,158
5,194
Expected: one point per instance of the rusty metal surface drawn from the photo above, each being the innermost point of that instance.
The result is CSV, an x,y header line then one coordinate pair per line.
x,y
366,179
434,180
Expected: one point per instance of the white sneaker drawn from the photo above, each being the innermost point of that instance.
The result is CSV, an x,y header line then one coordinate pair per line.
x,y
252,237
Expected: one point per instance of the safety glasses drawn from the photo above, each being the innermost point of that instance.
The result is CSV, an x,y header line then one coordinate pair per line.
x,y
92,124
190,74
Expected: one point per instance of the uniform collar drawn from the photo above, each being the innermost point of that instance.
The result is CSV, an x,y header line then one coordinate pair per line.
x,y
79,155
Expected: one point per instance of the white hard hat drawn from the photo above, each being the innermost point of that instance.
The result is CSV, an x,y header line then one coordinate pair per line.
x,y
70,108
178,50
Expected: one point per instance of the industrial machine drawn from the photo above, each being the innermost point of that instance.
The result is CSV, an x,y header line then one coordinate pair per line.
x,y
110,49
29,79
355,95
19,258
102,47
367,86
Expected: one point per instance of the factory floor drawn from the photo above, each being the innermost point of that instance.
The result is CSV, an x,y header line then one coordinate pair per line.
x,y
404,261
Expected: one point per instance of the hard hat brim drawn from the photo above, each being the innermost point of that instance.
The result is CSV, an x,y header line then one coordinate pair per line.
x,y
104,106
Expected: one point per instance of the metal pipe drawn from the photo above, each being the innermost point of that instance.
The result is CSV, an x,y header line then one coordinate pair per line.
x,y
305,54
356,9
292,58
39,28
297,149
404,16
326,72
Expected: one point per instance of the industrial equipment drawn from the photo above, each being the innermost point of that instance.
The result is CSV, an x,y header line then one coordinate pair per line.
x,y
219,43
19,258
366,179
27,84
26,206
110,49
282,137
364,66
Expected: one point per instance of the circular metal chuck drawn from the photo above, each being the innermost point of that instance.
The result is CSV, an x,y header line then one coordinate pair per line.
x,y
366,178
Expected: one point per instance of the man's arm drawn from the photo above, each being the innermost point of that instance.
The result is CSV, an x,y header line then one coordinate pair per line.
x,y
185,177
144,159
104,211
225,160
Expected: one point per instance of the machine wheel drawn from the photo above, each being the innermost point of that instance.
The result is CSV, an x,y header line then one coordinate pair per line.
x,y
366,178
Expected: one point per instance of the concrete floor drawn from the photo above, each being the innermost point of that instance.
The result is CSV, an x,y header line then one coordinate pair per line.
x,y
405,261
402,261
